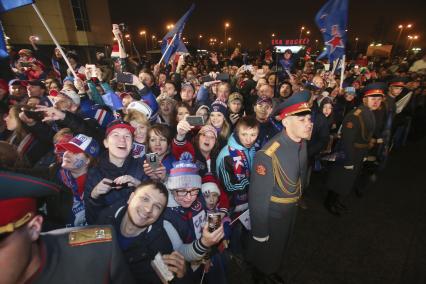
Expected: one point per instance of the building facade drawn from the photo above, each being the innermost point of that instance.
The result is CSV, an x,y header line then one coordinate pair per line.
x,y
84,25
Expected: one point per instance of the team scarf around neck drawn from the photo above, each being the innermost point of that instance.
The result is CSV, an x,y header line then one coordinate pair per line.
x,y
241,163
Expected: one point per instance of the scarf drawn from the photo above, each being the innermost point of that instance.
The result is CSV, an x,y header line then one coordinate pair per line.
x,y
78,216
241,163
25,144
138,150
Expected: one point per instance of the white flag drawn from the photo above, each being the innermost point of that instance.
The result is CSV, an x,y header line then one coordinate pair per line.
x,y
245,219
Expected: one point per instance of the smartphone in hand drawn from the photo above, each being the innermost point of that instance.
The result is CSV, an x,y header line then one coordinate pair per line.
x,y
153,160
195,120
126,78
214,220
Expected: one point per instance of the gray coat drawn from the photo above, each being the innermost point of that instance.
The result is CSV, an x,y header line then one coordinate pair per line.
x,y
82,255
276,184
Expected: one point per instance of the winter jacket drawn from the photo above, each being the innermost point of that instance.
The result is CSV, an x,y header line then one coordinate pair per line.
x,y
140,250
105,169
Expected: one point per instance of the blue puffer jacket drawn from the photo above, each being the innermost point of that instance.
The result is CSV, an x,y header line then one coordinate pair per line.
x,y
105,169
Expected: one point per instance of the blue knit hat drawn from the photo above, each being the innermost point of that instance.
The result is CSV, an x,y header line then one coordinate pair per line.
x,y
219,106
184,174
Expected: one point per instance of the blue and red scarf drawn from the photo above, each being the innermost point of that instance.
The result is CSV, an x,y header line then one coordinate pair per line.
x,y
241,163
138,150
76,185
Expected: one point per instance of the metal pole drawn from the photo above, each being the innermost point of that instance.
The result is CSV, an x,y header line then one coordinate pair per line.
x,y
54,40
342,73
226,43
167,49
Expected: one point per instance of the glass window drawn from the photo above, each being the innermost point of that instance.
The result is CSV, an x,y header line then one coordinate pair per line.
x,y
80,15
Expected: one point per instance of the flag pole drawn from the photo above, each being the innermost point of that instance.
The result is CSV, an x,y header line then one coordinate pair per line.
x,y
335,63
54,39
342,70
167,49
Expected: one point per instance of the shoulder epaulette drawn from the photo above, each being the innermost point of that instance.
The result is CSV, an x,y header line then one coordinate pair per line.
x,y
271,149
357,112
87,236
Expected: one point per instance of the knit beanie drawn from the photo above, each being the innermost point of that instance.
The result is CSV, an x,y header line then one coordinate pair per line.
x,y
209,185
219,106
184,174
208,128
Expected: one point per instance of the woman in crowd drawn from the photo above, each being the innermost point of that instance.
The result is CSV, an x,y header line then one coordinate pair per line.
x,y
166,111
27,144
182,109
204,149
159,142
218,119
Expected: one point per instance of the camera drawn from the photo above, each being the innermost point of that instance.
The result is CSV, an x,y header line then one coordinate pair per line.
x,y
30,112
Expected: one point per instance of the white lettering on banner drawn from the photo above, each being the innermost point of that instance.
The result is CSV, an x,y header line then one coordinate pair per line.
x,y
238,162
198,221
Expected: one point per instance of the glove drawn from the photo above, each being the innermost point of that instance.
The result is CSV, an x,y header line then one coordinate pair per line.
x,y
261,240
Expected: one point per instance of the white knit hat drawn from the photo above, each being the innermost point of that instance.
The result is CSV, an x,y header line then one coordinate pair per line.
x,y
210,187
184,174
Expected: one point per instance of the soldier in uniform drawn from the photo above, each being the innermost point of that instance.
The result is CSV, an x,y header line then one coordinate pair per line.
x,y
396,87
74,255
279,173
357,132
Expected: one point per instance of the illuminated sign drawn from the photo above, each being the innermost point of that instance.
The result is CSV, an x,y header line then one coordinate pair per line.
x,y
302,41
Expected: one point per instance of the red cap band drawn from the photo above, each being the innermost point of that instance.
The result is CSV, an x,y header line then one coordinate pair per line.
x,y
374,92
12,210
293,109
397,84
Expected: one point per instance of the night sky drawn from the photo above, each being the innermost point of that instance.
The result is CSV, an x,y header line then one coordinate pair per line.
x,y
254,21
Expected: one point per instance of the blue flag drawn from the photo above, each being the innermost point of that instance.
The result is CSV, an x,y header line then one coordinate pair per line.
x,y
332,20
7,5
177,45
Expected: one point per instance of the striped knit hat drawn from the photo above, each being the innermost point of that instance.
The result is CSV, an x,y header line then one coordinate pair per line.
x,y
184,174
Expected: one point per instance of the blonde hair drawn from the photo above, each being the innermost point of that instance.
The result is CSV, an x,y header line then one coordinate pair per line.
x,y
225,131
136,116
62,132
20,131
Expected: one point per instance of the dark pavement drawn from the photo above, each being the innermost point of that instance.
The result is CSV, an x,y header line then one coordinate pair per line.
x,y
381,240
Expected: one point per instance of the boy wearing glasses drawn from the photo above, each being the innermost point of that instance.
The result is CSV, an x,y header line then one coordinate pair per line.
x,y
184,217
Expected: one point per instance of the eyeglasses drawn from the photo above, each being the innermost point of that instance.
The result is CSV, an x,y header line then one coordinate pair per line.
x,y
183,193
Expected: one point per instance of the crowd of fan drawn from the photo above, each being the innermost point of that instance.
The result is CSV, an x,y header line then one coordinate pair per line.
x,y
91,135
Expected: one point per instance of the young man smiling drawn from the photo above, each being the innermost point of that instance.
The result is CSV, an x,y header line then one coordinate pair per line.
x,y
140,232
116,174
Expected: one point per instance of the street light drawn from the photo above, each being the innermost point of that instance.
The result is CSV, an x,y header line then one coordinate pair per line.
x,y
401,29
356,45
301,31
412,38
153,40
169,27
226,28
199,41
143,33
